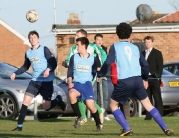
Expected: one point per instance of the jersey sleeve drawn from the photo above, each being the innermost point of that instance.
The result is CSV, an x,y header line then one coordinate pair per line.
x,y
70,67
100,52
51,61
106,66
24,67
94,68
70,53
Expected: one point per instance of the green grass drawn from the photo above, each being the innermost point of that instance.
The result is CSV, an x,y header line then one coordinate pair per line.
x,y
63,128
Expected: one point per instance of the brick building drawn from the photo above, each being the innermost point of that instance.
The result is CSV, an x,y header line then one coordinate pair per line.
x,y
164,28
12,45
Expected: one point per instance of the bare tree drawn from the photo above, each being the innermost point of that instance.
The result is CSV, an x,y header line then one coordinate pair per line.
x,y
174,4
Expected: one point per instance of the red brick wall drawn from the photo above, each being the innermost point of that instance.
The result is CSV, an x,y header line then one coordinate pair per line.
x,y
166,42
12,48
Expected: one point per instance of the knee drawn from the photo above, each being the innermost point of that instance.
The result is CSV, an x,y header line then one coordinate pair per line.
x,y
26,102
92,108
113,106
71,95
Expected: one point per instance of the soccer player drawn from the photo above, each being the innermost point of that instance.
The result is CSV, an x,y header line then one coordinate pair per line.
x,y
81,71
43,64
130,65
94,50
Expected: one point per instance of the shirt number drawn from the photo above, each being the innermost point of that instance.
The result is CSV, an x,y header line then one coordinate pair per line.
x,y
128,52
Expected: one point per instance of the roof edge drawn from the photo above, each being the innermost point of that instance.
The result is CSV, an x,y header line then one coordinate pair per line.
x,y
165,16
15,32
172,27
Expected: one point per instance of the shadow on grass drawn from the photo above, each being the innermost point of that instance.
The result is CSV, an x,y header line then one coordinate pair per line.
x,y
20,135
41,120
54,120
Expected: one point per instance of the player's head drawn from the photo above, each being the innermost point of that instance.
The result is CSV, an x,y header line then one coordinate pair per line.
x,y
123,30
82,43
80,33
33,37
98,38
148,40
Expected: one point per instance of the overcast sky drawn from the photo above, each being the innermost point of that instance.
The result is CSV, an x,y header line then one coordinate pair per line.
x,y
90,12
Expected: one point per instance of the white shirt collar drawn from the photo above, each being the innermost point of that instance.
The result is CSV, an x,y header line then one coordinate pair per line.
x,y
149,49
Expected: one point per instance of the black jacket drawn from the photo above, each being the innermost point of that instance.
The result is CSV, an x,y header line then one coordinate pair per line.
x,y
155,61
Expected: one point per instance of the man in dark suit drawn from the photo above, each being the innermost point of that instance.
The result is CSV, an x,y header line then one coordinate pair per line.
x,y
155,61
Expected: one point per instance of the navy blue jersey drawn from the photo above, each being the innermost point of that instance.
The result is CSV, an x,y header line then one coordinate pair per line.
x,y
82,69
40,59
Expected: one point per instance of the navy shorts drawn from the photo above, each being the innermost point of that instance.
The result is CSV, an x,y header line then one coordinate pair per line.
x,y
130,87
86,90
43,88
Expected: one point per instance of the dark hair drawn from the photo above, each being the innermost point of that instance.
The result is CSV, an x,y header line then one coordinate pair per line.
x,y
149,38
33,33
83,40
123,30
98,35
82,31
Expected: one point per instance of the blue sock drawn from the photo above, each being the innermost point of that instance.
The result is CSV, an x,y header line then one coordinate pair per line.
x,y
158,118
121,119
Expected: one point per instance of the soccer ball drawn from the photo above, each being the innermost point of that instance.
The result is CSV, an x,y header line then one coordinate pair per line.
x,y
32,16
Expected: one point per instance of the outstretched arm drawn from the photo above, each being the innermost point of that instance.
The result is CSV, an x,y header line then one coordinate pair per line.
x,y
106,66
24,67
21,70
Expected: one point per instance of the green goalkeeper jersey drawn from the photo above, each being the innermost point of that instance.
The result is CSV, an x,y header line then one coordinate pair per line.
x,y
92,49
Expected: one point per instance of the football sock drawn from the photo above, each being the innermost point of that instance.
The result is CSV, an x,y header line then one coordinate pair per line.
x,y
53,103
76,109
96,117
98,108
121,119
82,108
158,118
22,115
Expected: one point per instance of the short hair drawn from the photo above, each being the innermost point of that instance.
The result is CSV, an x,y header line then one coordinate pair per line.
x,y
123,30
98,35
84,41
149,38
33,33
82,31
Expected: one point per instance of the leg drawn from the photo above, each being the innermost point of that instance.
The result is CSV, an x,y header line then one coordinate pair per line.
x,y
156,92
94,112
105,97
105,93
119,115
97,101
26,101
57,101
82,108
46,91
156,115
73,94
148,116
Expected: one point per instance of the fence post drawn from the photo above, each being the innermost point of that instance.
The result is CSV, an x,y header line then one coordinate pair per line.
x,y
35,110
140,109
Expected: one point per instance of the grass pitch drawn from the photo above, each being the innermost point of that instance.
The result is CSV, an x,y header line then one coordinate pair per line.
x,y
63,128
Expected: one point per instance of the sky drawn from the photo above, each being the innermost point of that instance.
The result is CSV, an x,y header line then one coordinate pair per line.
x,y
91,12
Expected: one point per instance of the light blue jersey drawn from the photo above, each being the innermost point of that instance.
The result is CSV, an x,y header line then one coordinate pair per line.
x,y
39,64
82,69
127,60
